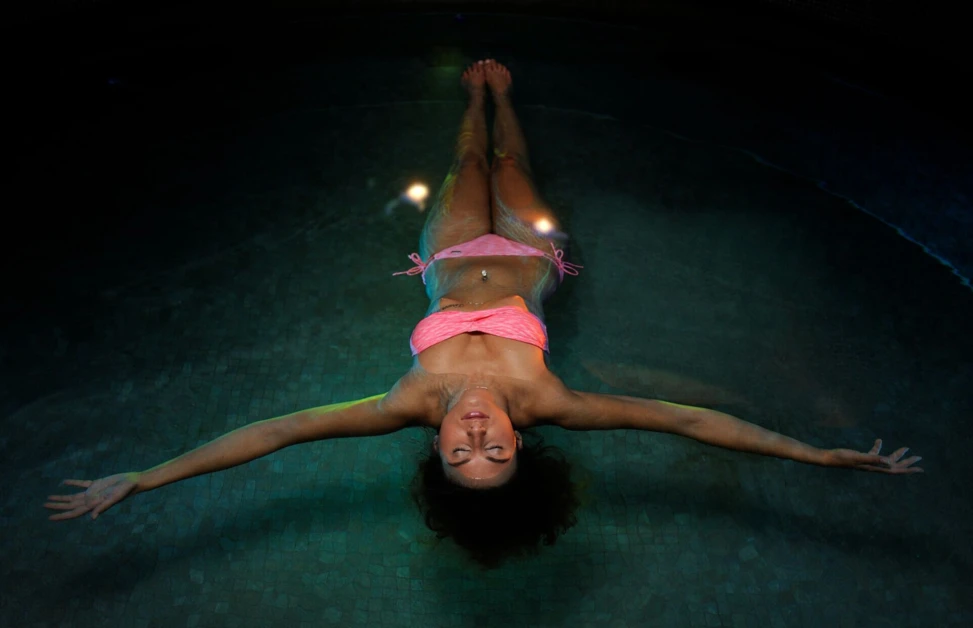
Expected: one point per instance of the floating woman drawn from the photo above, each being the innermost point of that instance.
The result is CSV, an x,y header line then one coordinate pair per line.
x,y
489,256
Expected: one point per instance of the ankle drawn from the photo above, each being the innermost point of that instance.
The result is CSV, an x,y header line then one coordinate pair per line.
x,y
501,99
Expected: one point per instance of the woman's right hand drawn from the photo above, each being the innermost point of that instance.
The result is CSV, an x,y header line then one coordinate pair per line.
x,y
100,496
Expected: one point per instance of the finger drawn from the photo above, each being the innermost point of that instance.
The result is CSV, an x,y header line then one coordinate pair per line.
x,y
102,507
67,515
66,498
82,483
898,453
60,506
901,471
909,461
894,470
871,467
877,447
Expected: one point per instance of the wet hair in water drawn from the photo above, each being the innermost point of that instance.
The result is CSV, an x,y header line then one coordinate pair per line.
x,y
531,509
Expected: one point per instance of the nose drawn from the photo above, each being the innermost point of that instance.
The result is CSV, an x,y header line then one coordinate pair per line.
x,y
476,427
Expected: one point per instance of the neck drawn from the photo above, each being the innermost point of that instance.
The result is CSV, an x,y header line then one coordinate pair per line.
x,y
493,389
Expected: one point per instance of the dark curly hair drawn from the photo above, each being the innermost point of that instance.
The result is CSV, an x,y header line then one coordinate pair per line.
x,y
492,524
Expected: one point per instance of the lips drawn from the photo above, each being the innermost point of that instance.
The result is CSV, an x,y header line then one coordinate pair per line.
x,y
474,415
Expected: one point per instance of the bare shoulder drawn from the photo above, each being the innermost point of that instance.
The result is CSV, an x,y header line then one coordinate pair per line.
x,y
551,402
577,410
405,405
415,397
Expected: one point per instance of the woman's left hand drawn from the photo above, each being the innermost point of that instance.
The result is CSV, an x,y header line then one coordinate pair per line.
x,y
850,459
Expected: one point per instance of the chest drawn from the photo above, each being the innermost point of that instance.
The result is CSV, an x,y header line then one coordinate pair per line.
x,y
476,353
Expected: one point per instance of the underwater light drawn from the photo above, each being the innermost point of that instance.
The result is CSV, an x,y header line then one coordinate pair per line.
x,y
544,225
417,193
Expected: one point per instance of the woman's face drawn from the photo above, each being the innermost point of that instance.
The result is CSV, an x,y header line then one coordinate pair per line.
x,y
477,442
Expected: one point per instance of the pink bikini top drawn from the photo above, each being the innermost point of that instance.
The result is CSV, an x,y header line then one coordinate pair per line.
x,y
507,322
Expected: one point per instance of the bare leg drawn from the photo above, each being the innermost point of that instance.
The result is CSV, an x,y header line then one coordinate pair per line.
x,y
508,139
462,209
518,211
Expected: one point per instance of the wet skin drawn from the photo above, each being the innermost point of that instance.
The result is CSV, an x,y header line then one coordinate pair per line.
x,y
480,197
477,441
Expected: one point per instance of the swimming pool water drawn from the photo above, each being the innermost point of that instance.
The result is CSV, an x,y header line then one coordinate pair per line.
x,y
227,259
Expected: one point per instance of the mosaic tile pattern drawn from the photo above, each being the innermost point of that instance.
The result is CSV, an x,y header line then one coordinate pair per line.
x,y
256,281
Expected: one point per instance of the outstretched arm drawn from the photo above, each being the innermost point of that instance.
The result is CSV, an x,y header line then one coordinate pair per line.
x,y
380,414
592,411
364,417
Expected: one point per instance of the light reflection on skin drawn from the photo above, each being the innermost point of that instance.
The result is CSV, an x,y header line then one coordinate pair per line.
x,y
478,452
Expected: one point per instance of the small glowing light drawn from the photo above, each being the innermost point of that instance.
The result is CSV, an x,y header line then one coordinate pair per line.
x,y
417,193
544,225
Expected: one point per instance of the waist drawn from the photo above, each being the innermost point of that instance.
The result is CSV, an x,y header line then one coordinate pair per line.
x,y
509,278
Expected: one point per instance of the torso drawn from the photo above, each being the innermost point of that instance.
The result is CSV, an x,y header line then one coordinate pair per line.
x,y
460,280
477,353
518,368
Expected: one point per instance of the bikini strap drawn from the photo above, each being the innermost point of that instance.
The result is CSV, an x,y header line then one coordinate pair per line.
x,y
563,267
420,266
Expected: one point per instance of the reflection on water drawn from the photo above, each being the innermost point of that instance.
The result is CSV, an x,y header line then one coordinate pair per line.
x,y
641,381
828,408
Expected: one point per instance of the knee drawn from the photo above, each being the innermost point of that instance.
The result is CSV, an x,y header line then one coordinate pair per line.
x,y
510,160
471,161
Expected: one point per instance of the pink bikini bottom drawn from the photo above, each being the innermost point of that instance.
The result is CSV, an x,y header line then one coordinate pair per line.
x,y
491,244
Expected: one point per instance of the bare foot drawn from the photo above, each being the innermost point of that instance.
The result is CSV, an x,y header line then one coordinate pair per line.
x,y
474,77
497,77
